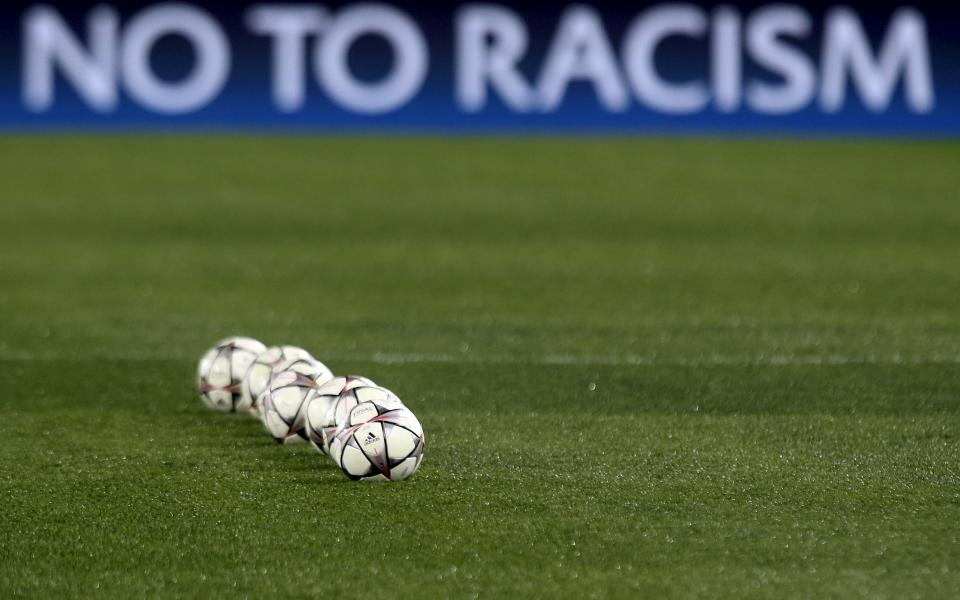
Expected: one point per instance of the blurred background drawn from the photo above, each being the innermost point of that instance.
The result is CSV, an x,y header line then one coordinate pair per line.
x,y
703,164
864,68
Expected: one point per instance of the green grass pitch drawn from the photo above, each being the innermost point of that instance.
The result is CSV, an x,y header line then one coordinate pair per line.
x,y
645,368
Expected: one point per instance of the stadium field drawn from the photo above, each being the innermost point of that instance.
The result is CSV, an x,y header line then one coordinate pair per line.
x,y
645,368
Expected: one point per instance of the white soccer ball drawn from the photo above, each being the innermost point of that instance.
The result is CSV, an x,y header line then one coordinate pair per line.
x,y
300,364
380,440
257,378
319,402
338,412
221,370
284,402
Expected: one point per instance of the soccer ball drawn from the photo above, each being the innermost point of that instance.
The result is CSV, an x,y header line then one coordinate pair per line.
x,y
302,364
338,412
320,401
221,371
381,440
257,378
284,403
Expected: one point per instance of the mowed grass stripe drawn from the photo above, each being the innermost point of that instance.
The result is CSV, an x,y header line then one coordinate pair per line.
x,y
585,494
623,361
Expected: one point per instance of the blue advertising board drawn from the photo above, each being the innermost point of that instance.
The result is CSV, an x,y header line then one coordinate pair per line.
x,y
867,68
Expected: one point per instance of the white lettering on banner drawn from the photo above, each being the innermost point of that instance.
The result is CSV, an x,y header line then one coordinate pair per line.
x,y
640,42
491,40
410,59
491,60
726,65
904,49
211,52
765,30
48,42
581,50
289,26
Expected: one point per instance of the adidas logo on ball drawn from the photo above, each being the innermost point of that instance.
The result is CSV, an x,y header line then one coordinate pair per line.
x,y
371,438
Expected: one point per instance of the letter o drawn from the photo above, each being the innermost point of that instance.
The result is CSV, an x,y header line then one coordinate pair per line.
x,y
409,65
209,72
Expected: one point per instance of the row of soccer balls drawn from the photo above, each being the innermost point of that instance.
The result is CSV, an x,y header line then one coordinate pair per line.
x,y
364,428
